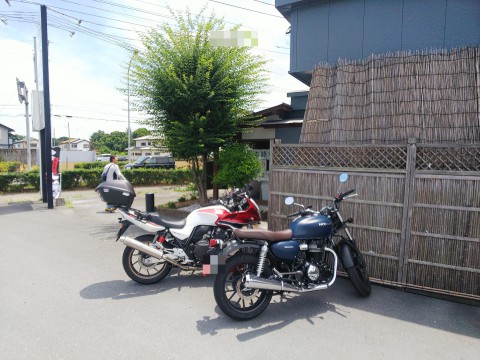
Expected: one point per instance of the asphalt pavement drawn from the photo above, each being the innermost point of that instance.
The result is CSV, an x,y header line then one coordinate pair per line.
x,y
65,295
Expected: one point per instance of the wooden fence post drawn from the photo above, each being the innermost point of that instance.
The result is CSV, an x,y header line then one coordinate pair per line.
x,y
407,211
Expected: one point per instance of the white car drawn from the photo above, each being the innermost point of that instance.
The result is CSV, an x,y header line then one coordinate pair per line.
x,y
103,157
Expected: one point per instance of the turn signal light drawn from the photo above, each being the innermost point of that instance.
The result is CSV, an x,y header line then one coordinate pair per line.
x,y
216,242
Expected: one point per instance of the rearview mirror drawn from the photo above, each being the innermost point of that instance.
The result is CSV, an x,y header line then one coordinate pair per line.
x,y
343,177
289,200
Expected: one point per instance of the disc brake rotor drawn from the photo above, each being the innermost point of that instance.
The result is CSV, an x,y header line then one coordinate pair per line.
x,y
243,292
146,261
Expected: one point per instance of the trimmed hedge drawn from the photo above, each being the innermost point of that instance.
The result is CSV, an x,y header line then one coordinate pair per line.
x,y
97,165
90,178
20,181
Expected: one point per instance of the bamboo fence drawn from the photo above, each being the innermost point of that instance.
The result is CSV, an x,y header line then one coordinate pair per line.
x,y
389,98
406,127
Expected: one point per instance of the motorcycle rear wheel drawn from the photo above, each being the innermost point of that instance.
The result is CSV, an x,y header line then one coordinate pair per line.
x,y
358,274
230,294
138,268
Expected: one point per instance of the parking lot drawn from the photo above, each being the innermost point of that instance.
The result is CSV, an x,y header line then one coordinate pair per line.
x,y
65,295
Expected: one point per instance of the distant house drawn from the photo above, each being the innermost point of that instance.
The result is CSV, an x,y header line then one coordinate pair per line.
x,y
75,145
281,123
5,137
22,144
146,146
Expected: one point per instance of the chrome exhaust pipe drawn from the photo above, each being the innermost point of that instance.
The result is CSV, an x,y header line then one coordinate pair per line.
x,y
156,253
255,282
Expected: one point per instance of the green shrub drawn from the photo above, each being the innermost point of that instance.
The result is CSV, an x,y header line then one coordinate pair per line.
x,y
20,181
5,181
237,166
171,205
9,166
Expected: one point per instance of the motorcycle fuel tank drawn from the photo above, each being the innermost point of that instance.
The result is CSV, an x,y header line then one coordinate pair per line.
x,y
285,250
311,227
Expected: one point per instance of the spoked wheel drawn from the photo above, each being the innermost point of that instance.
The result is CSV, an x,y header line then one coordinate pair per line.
x,y
230,293
144,268
358,273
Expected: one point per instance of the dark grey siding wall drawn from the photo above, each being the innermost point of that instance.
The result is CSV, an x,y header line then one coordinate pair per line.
x,y
288,135
326,30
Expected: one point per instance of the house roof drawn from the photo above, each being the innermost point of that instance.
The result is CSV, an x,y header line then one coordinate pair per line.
x,y
279,110
277,116
6,127
148,137
73,141
282,123
25,140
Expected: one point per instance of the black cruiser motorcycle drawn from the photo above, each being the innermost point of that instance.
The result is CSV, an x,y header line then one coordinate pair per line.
x,y
300,259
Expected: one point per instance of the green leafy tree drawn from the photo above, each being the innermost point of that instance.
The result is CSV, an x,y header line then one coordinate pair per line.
x,y
140,132
57,141
114,142
198,95
117,141
238,165
97,140
17,137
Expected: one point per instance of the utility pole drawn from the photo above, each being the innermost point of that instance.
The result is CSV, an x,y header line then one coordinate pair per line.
x,y
23,98
129,131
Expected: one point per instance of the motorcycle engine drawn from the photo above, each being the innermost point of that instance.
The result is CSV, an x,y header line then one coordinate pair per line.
x,y
316,263
200,249
316,272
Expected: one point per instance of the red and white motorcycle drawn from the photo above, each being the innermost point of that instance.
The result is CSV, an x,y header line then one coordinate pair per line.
x,y
185,243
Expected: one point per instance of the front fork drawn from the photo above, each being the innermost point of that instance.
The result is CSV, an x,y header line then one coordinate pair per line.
x,y
346,228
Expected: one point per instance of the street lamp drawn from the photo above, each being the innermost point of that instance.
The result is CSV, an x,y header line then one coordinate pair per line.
x,y
129,131
23,98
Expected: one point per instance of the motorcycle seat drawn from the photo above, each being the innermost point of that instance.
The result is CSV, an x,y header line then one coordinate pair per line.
x,y
168,223
260,234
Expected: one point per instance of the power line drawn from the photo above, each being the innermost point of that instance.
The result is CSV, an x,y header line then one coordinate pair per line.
x,y
239,7
263,2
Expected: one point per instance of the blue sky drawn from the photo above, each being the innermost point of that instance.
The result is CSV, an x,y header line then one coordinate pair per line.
x,y
86,67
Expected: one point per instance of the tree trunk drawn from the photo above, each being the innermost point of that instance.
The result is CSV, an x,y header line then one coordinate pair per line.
x,y
199,179
215,168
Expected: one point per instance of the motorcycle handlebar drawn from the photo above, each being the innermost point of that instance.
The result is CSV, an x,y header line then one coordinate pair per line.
x,y
348,193
343,196
302,212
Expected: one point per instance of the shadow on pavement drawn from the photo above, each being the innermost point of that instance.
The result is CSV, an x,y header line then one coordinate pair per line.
x,y
422,310
16,207
120,289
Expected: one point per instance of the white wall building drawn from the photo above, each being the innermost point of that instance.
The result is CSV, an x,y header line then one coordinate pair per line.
x,y
75,145
146,146
22,144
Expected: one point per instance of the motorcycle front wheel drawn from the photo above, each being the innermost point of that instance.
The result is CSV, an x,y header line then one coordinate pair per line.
x,y
230,293
143,268
358,273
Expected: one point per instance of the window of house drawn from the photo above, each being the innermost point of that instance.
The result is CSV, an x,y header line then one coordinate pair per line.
x,y
86,146
74,146
143,144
